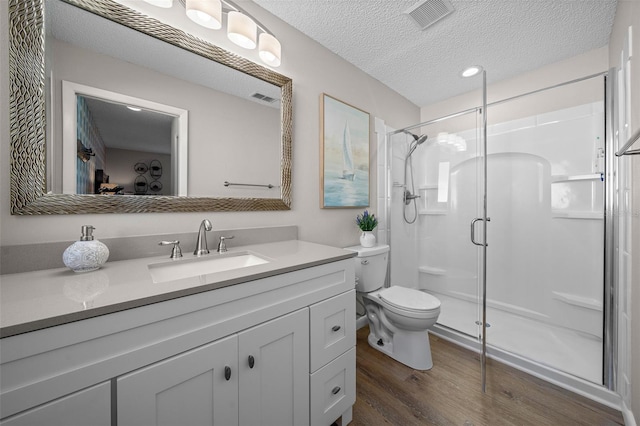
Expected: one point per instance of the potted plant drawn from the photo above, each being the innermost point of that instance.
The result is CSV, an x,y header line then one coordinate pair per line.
x,y
367,223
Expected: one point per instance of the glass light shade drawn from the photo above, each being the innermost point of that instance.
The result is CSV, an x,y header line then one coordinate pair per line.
x,y
241,30
269,49
161,3
207,13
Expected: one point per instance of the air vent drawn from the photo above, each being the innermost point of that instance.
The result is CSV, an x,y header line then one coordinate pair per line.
x,y
264,98
428,12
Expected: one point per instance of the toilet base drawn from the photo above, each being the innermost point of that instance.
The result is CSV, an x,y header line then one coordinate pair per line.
x,y
411,348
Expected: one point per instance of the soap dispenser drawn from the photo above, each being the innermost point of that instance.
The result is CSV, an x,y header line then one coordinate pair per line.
x,y
85,255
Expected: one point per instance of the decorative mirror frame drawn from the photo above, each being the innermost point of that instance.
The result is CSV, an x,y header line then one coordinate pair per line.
x,y
27,118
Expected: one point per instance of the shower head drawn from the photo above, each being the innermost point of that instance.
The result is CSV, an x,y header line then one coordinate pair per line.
x,y
417,140
420,139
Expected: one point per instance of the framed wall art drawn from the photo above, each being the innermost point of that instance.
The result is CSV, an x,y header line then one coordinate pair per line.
x,y
344,155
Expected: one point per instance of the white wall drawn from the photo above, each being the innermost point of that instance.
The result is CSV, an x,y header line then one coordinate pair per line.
x,y
314,70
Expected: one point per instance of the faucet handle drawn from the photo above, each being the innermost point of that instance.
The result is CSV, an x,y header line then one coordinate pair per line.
x,y
176,252
222,245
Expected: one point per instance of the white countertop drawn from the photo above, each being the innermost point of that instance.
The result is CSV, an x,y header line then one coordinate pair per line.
x,y
34,300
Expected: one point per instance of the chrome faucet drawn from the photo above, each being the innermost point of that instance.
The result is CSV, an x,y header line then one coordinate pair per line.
x,y
201,242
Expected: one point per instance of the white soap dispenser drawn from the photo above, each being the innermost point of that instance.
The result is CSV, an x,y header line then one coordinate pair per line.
x,y
85,255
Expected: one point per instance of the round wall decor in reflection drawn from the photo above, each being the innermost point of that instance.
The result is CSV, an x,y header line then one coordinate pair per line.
x,y
140,185
155,168
140,168
155,186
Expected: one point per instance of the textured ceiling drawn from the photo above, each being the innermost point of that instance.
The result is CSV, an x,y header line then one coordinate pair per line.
x,y
506,37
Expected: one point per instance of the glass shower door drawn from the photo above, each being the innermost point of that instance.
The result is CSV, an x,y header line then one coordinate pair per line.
x,y
436,194
546,265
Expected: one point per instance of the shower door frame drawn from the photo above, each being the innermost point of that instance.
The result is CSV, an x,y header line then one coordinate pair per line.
x,y
609,280
483,261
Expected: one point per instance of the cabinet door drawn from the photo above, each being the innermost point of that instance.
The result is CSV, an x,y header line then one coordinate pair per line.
x,y
188,389
333,389
332,327
90,406
274,372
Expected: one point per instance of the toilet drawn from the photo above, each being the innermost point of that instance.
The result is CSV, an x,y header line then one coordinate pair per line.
x,y
398,316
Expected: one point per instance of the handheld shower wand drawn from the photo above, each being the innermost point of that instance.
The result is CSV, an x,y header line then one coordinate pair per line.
x,y
409,195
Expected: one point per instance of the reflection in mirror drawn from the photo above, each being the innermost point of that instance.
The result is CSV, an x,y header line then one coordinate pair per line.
x,y
231,136
121,131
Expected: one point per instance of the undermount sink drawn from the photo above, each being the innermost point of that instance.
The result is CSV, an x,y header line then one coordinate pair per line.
x,y
209,264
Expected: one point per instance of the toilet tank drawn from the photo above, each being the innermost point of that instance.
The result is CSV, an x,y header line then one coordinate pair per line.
x,y
371,266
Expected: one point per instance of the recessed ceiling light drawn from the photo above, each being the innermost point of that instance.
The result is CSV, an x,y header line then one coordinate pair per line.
x,y
134,108
471,71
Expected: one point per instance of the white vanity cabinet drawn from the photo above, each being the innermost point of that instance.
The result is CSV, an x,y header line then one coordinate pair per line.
x,y
188,389
333,359
256,377
274,372
90,406
255,353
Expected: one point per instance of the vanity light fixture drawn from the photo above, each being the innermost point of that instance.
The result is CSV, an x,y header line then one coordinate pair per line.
x,y
242,28
207,13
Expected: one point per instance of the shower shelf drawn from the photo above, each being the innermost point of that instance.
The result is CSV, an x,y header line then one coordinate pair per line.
x,y
430,206
431,270
561,214
574,299
573,178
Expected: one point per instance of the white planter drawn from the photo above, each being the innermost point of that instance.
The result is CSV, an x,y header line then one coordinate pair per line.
x,y
368,239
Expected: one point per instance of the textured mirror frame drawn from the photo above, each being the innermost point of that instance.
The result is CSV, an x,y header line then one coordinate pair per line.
x,y
27,118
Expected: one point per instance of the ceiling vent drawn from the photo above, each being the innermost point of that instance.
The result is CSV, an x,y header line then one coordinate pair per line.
x,y
428,12
263,98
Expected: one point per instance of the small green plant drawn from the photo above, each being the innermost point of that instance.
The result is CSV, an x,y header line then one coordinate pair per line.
x,y
366,221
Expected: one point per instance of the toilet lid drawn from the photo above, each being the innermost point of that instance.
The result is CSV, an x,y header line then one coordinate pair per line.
x,y
409,298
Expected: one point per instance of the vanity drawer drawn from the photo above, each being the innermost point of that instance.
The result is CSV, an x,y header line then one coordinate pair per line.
x,y
332,328
333,389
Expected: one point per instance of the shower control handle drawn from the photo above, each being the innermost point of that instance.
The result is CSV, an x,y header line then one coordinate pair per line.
x,y
473,231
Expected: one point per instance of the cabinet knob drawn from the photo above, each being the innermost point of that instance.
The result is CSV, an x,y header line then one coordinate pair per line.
x,y
335,390
335,328
227,372
252,361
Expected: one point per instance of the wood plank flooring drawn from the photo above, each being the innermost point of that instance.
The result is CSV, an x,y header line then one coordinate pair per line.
x,y
390,393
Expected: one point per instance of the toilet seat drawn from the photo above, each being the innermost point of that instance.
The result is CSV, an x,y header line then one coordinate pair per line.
x,y
408,299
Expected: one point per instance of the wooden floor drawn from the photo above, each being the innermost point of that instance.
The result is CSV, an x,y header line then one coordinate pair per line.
x,y
390,393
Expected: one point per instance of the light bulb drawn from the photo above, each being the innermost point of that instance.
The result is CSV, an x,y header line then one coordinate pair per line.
x,y
241,30
207,13
269,49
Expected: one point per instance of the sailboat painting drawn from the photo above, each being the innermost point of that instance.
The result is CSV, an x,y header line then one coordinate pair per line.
x,y
344,155
348,170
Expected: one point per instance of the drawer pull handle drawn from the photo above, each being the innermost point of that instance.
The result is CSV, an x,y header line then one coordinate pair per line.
x,y
335,328
227,373
335,390
252,361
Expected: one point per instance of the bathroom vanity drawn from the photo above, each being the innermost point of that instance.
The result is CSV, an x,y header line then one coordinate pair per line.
x,y
272,343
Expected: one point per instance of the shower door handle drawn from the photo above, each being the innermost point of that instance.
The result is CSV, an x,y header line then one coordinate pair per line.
x,y
473,231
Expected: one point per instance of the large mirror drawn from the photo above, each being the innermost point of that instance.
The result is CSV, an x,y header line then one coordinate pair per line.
x,y
218,157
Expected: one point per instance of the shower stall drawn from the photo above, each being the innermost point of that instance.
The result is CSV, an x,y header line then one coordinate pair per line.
x,y
506,226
